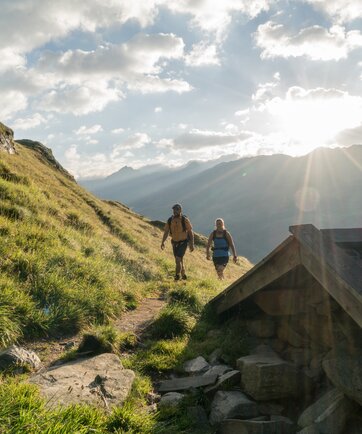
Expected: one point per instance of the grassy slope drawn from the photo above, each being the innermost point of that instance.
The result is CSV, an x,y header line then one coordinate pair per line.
x,y
69,259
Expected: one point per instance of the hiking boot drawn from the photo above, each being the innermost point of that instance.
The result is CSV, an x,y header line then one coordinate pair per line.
x,y
177,277
184,277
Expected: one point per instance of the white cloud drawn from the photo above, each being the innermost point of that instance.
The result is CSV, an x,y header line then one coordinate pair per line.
x,y
152,84
315,42
11,102
341,10
83,130
137,141
203,54
80,100
197,139
158,109
349,137
28,123
117,131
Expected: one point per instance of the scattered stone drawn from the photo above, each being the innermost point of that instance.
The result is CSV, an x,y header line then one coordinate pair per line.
x,y
99,381
186,383
261,327
226,380
170,400
215,356
267,377
346,374
237,426
19,357
196,366
218,370
328,414
230,404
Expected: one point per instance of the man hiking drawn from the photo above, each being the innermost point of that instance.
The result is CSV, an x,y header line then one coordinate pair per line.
x,y
180,229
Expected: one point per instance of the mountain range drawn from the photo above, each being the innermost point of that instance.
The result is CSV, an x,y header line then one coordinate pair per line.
x,y
258,197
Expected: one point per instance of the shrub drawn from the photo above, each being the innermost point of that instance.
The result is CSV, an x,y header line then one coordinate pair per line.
x,y
10,329
100,339
173,321
74,220
128,419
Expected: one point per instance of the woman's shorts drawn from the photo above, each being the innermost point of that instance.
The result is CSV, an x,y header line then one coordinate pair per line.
x,y
179,248
220,260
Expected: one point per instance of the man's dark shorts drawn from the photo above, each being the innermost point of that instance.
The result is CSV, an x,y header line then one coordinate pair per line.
x,y
221,260
179,248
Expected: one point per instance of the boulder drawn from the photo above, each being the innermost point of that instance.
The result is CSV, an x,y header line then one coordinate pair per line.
x,y
215,356
288,332
6,139
311,429
328,414
186,383
230,404
266,377
346,374
100,381
277,426
218,370
18,356
198,415
225,381
196,366
270,408
300,357
170,400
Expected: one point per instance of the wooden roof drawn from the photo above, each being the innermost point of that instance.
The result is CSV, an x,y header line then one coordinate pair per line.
x,y
332,256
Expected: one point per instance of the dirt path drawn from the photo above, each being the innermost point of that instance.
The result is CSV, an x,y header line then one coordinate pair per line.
x,y
138,320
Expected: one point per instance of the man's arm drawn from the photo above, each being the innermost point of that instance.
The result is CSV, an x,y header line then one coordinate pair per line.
x,y
190,234
165,235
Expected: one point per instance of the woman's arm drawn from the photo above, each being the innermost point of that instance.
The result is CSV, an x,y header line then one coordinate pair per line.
x,y
232,245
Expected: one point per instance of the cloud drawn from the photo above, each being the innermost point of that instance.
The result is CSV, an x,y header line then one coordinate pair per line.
x,y
350,137
79,100
341,10
137,141
152,84
203,54
11,102
83,130
28,123
197,139
314,42
158,109
117,131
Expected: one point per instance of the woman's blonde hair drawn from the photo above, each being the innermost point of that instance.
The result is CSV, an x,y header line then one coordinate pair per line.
x,y
220,220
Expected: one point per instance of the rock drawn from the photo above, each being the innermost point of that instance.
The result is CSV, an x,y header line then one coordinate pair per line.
x,y
186,383
225,381
214,357
237,426
218,370
311,429
300,357
100,381
328,414
6,139
230,404
170,400
196,366
287,333
262,328
270,408
18,356
281,302
267,377
346,374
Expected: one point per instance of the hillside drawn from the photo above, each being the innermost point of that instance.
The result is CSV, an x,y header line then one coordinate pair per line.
x,y
260,197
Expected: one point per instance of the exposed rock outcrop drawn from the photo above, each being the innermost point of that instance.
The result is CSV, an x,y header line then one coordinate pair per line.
x,y
6,139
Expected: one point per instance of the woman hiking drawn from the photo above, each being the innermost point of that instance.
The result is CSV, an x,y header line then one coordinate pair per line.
x,y
222,242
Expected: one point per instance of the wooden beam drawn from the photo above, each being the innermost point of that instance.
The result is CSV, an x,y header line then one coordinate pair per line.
x,y
283,259
337,272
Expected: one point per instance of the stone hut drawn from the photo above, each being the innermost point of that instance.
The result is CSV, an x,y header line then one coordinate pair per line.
x,y
303,303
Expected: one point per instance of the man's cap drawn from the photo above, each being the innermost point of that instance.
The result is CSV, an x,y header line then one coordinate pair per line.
x,y
177,205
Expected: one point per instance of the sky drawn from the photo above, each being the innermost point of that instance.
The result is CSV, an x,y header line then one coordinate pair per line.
x,y
109,83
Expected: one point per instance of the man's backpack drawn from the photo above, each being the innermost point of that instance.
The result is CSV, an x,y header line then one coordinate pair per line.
x,y
183,222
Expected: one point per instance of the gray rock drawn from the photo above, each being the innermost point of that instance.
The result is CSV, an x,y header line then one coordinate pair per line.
x,y
170,400
214,357
230,404
6,139
237,426
311,429
218,370
266,377
270,408
99,381
300,357
346,374
186,383
198,415
196,366
225,381
17,356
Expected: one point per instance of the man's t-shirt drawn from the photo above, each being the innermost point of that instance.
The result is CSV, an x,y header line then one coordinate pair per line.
x,y
177,231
